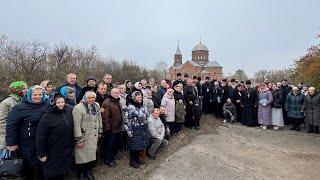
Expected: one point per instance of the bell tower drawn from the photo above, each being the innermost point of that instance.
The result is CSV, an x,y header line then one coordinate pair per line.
x,y
177,57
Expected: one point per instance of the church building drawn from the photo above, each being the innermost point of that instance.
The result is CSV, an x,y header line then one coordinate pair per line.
x,y
199,65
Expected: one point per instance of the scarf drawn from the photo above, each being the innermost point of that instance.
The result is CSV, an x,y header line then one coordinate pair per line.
x,y
16,89
92,109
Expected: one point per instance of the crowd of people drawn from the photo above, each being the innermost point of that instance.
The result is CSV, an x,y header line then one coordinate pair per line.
x,y
59,129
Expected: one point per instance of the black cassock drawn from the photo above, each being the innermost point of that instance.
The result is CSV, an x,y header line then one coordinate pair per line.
x,y
249,101
207,104
190,95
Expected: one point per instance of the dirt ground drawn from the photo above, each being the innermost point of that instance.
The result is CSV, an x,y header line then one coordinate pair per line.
x,y
227,151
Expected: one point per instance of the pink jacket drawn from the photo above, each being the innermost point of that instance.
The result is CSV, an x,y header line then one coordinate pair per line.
x,y
169,103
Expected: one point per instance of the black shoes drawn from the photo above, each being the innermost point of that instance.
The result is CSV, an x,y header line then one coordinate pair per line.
x,y
151,157
110,164
80,176
293,128
85,176
141,162
89,175
134,164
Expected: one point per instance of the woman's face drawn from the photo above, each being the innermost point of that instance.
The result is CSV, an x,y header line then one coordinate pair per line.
x,y
60,103
102,89
129,85
91,98
122,90
36,96
170,93
49,89
24,90
139,98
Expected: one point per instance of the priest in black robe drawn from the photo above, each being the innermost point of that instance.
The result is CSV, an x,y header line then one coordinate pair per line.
x,y
249,102
207,105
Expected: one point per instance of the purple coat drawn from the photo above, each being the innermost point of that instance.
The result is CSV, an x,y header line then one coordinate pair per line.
x,y
264,112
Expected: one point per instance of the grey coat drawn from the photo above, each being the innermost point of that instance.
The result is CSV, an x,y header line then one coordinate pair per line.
x,y
87,128
311,107
5,106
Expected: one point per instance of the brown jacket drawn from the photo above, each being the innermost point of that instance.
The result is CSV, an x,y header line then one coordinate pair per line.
x,y
112,115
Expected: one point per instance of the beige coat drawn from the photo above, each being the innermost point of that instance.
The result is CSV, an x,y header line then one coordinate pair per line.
x,y
86,127
5,106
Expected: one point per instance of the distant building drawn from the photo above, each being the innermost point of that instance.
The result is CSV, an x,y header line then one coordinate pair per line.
x,y
198,66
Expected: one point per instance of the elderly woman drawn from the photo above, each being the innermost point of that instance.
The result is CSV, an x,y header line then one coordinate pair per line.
x,y
264,107
293,107
22,126
87,127
136,125
311,107
54,140
168,103
17,90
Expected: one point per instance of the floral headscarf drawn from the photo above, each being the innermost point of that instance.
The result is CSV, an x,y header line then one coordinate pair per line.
x,y
16,88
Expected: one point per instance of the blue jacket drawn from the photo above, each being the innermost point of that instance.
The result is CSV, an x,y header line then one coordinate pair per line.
x,y
294,105
22,128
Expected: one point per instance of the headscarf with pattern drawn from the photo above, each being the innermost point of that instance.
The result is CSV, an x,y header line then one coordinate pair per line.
x,y
16,88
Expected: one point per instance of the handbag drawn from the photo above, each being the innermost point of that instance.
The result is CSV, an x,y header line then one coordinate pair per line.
x,y
11,166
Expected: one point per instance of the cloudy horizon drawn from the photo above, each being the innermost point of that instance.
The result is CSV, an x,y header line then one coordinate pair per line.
x,y
247,35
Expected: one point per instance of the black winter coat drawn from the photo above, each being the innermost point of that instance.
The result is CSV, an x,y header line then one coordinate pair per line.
x,y
22,126
277,98
55,141
85,89
100,98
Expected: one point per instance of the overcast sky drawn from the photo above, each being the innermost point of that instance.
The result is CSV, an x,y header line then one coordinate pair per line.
x,y
247,34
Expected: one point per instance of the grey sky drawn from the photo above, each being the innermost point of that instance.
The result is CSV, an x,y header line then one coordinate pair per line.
x,y
248,34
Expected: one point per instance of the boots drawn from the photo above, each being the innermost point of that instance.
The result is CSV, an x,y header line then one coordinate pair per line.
x,y
142,157
310,129
133,158
89,175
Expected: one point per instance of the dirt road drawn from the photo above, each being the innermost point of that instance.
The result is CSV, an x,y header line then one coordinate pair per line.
x,y
227,151
237,152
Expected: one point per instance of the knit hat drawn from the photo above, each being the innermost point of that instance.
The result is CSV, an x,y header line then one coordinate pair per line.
x,y
248,82
91,78
16,88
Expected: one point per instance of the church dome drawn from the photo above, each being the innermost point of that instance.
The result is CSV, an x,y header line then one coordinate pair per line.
x,y
200,47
